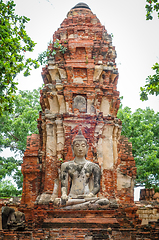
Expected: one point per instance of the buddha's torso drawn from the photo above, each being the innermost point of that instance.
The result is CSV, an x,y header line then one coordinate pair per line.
x,y
80,176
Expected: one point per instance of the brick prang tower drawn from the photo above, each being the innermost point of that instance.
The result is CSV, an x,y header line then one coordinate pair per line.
x,y
80,92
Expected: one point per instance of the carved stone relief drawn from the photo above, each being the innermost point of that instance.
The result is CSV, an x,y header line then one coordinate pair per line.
x,y
11,219
79,103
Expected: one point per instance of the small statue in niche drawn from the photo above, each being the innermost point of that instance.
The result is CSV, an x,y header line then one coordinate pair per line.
x,y
85,179
79,103
11,219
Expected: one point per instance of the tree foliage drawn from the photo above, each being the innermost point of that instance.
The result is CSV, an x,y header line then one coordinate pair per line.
x,y
14,43
142,129
51,52
7,165
14,129
7,189
152,82
151,6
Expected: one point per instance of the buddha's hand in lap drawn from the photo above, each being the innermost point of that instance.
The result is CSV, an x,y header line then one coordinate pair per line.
x,y
64,199
90,195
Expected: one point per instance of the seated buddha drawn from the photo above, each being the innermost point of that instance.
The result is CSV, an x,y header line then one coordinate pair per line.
x,y
84,178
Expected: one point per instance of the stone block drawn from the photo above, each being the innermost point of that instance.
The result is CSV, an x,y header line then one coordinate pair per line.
x,y
144,221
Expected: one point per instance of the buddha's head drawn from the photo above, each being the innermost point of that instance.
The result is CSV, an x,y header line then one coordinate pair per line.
x,y
79,146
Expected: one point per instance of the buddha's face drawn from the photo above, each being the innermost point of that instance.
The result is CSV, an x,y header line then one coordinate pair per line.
x,y
80,148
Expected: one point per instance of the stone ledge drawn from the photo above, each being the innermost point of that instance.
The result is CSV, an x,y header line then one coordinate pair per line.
x,y
82,220
80,223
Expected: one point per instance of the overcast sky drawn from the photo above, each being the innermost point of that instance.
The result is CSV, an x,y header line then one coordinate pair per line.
x,y
135,39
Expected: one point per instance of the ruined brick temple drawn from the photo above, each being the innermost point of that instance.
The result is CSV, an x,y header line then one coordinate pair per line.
x,y
79,94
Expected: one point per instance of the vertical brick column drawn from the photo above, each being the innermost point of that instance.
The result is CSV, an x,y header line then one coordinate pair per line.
x,y
31,171
51,150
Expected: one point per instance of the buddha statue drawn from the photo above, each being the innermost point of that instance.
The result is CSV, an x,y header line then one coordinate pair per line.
x,y
84,179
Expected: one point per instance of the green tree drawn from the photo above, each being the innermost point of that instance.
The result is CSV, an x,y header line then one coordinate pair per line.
x,y
14,43
142,129
7,189
151,6
14,129
152,82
